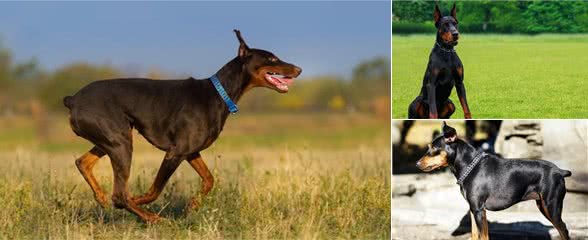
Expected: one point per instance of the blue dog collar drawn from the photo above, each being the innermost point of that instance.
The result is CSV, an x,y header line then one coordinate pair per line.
x,y
221,91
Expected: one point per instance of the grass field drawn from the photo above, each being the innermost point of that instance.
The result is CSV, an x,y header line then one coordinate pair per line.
x,y
506,76
277,176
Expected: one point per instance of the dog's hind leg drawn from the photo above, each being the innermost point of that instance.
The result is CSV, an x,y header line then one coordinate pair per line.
x,y
85,164
418,109
207,179
447,109
552,206
120,153
168,167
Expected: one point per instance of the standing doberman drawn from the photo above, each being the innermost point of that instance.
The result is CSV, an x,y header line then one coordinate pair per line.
x,y
180,117
444,71
490,182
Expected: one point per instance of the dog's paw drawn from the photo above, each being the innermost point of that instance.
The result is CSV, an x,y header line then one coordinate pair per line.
x,y
102,200
153,219
192,206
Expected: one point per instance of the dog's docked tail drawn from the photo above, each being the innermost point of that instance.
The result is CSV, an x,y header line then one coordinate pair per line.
x,y
68,101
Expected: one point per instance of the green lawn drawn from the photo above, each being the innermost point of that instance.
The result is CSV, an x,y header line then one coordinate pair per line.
x,y
506,76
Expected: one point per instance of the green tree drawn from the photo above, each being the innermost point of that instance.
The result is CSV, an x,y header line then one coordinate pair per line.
x,y
413,11
27,71
508,16
498,16
5,67
556,17
371,79
478,13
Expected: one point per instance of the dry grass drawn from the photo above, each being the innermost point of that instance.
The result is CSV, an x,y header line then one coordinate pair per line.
x,y
304,182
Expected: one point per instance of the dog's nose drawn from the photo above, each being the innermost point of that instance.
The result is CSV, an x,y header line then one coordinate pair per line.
x,y
455,34
418,163
298,70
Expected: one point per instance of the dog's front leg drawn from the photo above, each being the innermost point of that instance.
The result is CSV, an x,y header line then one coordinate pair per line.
x,y
481,225
168,167
461,93
432,101
475,232
207,179
431,93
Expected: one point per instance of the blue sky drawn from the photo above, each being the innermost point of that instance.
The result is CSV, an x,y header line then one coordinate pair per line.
x,y
196,38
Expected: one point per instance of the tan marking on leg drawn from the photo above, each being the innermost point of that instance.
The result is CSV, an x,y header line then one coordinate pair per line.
x,y
207,179
475,232
485,231
548,215
421,110
545,208
448,108
85,164
466,109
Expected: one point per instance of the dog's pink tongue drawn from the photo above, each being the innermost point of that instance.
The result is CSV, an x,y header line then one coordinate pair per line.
x,y
287,81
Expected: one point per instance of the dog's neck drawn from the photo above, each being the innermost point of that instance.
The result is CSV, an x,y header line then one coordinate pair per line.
x,y
442,46
234,79
464,155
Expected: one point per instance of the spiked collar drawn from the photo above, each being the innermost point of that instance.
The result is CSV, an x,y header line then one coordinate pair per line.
x,y
471,166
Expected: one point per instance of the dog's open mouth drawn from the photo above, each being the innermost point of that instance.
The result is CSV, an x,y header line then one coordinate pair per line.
x,y
281,82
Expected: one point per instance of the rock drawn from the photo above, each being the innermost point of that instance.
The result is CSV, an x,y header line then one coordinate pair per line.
x,y
520,139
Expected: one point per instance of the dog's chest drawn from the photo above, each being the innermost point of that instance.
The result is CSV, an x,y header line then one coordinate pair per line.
x,y
204,134
446,78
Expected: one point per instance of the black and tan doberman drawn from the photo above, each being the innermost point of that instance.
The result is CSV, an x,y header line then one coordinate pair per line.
x,y
489,182
180,117
444,71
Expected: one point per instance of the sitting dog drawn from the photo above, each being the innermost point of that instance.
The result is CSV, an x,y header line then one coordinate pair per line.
x,y
444,71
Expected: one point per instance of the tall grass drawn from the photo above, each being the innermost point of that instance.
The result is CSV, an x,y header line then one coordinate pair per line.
x,y
265,188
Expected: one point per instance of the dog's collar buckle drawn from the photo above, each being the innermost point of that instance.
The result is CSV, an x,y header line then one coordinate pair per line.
x,y
471,166
221,91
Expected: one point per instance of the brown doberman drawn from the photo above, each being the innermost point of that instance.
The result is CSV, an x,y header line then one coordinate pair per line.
x,y
180,117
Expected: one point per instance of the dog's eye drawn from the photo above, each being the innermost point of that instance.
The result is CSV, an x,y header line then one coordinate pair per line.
x,y
273,59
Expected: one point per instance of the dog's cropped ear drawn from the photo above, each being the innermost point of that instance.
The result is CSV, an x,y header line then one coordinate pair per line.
x,y
243,48
449,133
437,14
453,13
